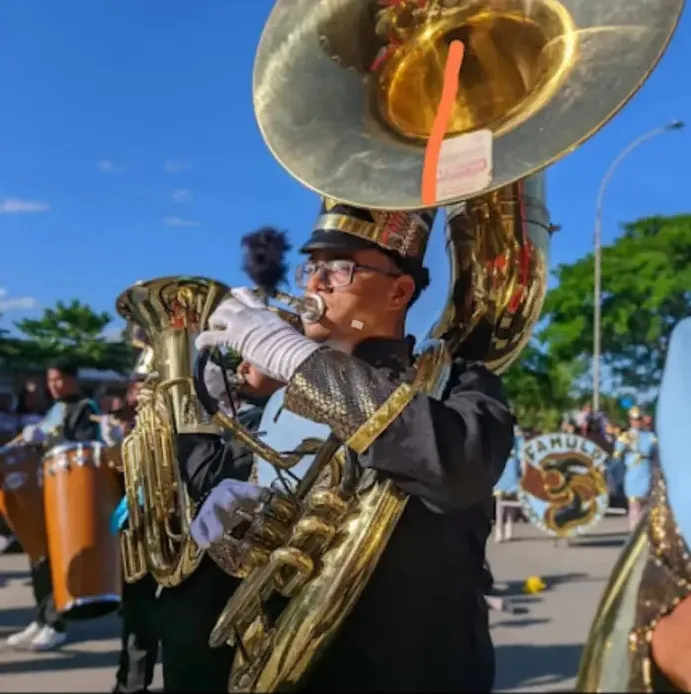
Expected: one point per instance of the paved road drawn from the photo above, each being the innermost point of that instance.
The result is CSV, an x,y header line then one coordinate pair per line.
x,y
537,650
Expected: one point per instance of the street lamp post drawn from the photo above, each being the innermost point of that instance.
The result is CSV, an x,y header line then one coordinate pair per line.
x,y
597,292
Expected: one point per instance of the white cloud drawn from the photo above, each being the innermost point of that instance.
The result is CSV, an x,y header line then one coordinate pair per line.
x,y
9,304
19,206
107,166
175,166
180,222
181,195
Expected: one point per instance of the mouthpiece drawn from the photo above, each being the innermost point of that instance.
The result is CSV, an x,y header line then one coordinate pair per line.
x,y
311,308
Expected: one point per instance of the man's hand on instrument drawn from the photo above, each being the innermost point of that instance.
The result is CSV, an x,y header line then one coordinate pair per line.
x,y
264,339
33,434
218,513
112,432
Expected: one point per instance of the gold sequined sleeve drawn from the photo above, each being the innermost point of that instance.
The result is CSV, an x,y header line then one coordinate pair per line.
x,y
447,452
345,393
664,584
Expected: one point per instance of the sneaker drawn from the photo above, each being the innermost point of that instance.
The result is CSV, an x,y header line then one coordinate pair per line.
x,y
47,639
25,636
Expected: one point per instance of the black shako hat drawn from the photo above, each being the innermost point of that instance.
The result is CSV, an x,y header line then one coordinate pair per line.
x,y
401,235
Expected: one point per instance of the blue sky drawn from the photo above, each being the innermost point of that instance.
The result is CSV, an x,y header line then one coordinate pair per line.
x,y
128,150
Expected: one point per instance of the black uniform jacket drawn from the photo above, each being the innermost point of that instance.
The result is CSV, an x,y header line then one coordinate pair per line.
x,y
205,459
421,622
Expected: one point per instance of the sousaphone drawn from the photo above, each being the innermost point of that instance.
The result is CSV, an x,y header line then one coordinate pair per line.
x,y
345,91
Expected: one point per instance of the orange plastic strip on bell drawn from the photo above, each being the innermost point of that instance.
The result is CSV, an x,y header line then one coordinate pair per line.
x,y
449,92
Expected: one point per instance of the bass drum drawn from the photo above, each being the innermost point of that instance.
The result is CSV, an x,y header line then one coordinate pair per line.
x,y
21,498
605,663
81,491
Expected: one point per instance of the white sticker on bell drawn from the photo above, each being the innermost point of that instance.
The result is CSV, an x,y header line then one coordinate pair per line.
x,y
465,165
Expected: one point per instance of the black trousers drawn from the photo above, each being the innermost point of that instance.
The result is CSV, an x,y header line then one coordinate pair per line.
x,y
42,584
187,614
409,652
139,649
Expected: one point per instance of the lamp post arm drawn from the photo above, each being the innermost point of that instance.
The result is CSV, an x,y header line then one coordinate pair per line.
x,y
597,260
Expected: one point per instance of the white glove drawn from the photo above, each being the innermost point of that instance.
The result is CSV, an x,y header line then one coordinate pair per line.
x,y
111,432
216,514
262,337
33,434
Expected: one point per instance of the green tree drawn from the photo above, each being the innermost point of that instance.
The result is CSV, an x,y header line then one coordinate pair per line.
x,y
73,329
646,282
541,387
10,348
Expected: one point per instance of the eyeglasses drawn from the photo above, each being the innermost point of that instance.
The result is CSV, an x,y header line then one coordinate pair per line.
x,y
334,274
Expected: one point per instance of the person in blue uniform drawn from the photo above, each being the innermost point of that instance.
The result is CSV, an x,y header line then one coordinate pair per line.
x,y
636,447
69,419
421,621
506,490
660,642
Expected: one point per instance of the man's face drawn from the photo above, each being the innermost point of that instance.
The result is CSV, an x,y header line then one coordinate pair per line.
x,y
60,384
362,299
257,384
635,422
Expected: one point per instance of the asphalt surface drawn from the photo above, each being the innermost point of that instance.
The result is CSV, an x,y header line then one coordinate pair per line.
x,y
537,649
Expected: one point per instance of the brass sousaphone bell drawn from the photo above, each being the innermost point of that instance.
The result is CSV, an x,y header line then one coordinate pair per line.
x,y
542,75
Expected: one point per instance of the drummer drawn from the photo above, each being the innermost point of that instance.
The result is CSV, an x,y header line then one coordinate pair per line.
x,y
71,418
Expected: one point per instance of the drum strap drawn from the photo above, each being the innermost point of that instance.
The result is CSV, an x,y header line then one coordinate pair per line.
x,y
74,414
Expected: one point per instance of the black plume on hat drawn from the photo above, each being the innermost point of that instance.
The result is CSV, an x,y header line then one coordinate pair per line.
x,y
264,258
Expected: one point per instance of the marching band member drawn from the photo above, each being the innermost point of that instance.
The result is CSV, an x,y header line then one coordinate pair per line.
x,y
139,630
446,454
661,641
506,490
210,468
636,447
69,419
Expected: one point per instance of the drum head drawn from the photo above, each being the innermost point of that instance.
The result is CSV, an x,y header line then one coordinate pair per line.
x,y
563,490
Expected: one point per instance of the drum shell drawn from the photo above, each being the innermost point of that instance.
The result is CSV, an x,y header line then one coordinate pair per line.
x,y
81,492
21,502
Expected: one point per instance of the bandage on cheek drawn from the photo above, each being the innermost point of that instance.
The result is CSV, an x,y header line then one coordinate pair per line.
x,y
357,324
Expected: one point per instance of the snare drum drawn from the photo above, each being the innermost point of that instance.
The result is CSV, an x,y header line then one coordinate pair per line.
x,y
22,497
81,491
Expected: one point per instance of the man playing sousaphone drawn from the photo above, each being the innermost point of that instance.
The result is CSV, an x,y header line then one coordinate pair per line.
x,y
71,418
421,622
